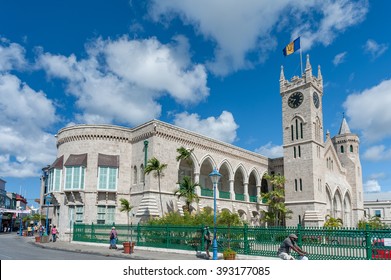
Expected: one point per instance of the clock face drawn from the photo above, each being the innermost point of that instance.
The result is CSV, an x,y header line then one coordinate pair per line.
x,y
315,98
295,99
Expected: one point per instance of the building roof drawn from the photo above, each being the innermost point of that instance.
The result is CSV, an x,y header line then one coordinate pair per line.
x,y
379,196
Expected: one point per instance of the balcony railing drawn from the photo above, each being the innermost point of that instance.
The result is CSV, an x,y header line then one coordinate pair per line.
x,y
206,192
223,194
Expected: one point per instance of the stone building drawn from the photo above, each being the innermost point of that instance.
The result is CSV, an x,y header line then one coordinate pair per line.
x,y
99,164
378,205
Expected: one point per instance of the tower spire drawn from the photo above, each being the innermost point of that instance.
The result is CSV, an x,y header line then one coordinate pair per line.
x,y
319,73
308,69
282,77
344,129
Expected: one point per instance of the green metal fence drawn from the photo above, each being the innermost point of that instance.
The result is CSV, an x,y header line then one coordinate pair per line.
x,y
320,243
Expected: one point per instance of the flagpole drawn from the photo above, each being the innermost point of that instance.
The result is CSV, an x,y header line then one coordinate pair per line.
x,y
301,59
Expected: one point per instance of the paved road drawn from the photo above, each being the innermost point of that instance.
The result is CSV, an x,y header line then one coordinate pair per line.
x,y
12,246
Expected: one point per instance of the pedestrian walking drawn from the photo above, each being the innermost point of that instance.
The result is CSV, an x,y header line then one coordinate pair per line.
x,y
54,233
207,240
113,238
29,231
41,230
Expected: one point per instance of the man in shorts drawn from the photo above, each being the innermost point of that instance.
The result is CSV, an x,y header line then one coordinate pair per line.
x,y
289,243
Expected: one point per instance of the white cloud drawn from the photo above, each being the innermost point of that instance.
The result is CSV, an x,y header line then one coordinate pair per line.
x,y
222,128
377,153
25,147
11,56
378,175
239,29
339,58
335,17
121,80
369,111
375,49
371,186
271,151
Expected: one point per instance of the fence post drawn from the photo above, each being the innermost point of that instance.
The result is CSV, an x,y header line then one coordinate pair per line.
x,y
167,237
368,245
138,233
202,237
92,231
300,240
246,244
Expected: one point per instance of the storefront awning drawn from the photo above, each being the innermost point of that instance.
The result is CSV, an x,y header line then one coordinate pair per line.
x,y
5,210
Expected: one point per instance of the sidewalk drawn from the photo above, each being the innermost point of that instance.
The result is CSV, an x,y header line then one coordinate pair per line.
x,y
140,253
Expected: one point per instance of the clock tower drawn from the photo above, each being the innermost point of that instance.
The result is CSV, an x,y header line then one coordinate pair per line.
x,y
303,147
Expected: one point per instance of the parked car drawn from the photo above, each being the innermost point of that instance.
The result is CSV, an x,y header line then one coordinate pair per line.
x,y
381,249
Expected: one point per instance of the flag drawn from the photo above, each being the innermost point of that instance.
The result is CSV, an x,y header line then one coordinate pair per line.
x,y
292,47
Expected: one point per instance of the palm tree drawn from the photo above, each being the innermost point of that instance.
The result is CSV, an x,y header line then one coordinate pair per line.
x,y
187,189
125,207
157,167
184,154
277,212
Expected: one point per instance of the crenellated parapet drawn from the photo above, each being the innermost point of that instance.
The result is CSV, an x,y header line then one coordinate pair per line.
x,y
306,78
108,133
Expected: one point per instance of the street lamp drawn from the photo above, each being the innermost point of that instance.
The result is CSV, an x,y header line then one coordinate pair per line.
x,y
215,177
48,201
20,222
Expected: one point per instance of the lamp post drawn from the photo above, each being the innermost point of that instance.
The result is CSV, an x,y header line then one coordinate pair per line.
x,y
215,177
48,201
20,222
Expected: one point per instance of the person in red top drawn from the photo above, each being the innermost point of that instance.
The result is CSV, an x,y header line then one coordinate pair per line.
x,y
54,233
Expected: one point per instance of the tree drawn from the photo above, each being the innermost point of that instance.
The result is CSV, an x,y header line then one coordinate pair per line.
x,y
333,222
373,223
155,166
187,190
229,219
32,218
277,212
184,154
125,207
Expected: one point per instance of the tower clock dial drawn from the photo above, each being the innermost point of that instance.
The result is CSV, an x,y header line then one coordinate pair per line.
x,y
295,99
315,98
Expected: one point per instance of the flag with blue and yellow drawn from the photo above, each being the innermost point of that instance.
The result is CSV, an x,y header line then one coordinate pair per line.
x,y
292,47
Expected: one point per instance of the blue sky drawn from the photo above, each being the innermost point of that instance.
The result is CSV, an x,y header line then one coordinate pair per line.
x,y
209,66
